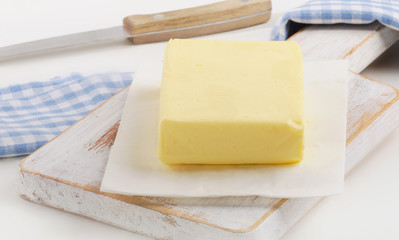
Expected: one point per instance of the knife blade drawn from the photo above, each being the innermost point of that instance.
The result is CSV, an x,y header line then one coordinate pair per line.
x,y
191,22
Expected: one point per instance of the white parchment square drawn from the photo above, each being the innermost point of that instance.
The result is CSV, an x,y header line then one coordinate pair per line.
x,y
134,169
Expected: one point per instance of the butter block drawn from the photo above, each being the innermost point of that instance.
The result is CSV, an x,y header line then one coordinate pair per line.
x,y
231,102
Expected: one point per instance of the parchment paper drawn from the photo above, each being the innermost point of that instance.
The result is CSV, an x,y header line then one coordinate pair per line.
x,y
134,169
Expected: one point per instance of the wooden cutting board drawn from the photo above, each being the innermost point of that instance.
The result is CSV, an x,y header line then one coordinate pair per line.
x,y
67,172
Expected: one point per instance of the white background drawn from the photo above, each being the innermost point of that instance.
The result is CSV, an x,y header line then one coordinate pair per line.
x,y
367,209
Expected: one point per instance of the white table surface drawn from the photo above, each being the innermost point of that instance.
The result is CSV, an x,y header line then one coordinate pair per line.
x,y
367,209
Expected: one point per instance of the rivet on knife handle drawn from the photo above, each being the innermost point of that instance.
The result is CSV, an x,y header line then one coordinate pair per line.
x,y
197,21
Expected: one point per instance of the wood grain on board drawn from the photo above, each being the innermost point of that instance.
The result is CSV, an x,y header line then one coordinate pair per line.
x,y
67,172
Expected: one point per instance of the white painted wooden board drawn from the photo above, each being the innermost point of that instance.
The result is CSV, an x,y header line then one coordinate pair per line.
x,y
66,173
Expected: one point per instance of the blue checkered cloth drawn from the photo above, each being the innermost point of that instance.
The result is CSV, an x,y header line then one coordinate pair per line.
x,y
337,11
32,114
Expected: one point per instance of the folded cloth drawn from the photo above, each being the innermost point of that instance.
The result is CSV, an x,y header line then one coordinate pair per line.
x,y
337,11
32,114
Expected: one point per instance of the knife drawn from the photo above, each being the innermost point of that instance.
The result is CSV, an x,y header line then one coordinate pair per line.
x,y
185,23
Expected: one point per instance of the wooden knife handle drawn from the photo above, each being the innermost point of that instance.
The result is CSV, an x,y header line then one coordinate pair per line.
x,y
191,22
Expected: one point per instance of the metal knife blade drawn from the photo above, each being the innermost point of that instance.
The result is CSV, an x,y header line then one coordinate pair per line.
x,y
63,42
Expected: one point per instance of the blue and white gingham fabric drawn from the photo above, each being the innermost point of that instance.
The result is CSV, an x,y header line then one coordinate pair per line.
x,y
32,114
337,11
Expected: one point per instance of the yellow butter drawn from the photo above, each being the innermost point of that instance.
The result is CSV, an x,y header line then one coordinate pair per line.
x,y
231,102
